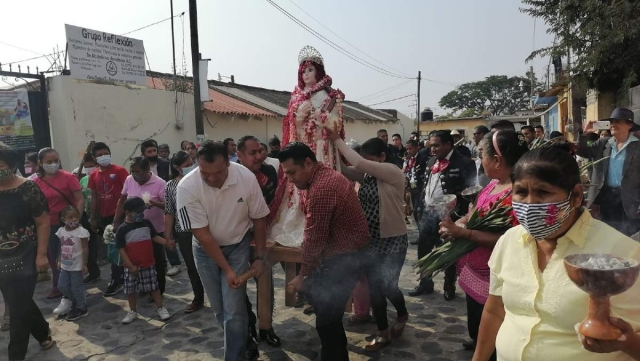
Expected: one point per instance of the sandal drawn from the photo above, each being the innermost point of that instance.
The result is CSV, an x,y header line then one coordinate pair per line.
x,y
308,310
398,327
358,320
378,343
48,343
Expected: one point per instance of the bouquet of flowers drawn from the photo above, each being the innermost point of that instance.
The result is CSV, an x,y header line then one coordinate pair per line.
x,y
497,219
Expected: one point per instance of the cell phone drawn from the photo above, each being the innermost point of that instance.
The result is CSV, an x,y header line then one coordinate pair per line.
x,y
601,125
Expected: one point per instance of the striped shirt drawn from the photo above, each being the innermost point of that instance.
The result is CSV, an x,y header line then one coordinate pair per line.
x,y
170,204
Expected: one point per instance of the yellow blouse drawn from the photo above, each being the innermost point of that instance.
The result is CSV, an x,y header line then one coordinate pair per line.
x,y
542,308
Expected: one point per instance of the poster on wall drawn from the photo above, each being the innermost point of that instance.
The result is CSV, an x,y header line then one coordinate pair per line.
x,y
16,129
96,55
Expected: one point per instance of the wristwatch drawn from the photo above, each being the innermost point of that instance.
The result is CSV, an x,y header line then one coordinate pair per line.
x,y
263,259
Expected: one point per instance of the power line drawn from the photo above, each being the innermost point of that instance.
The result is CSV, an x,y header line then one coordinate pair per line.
x,y
390,100
336,46
383,91
341,38
19,48
22,61
156,23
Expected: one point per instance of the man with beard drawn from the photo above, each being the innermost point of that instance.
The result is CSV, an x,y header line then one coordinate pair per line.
x,y
252,156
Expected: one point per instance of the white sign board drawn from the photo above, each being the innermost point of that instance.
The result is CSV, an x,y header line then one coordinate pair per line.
x,y
96,55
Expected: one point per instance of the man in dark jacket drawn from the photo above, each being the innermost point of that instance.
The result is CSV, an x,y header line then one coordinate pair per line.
x,y
615,182
447,172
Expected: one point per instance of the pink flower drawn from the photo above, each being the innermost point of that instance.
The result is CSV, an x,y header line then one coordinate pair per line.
x,y
552,209
550,220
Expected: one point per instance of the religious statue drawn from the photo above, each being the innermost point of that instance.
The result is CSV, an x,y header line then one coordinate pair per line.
x,y
313,105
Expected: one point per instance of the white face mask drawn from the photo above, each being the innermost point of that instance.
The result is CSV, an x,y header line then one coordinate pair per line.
x,y
88,170
52,168
104,160
187,170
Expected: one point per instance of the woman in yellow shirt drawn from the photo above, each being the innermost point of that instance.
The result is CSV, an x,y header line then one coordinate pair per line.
x,y
533,307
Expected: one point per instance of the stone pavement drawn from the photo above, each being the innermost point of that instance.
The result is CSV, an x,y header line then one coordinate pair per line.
x,y
435,330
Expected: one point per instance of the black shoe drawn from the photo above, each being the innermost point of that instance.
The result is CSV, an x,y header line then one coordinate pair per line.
x,y
469,345
421,290
77,313
300,300
91,279
270,337
449,295
113,289
252,352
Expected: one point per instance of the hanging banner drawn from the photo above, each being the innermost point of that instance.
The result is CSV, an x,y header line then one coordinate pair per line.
x,y
96,55
16,129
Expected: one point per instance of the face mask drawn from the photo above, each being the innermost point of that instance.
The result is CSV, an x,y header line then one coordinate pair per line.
x,y
72,224
5,174
544,219
28,170
88,170
137,217
139,178
52,168
187,170
153,159
104,160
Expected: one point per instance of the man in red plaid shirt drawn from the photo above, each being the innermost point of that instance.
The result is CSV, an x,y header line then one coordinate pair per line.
x,y
335,235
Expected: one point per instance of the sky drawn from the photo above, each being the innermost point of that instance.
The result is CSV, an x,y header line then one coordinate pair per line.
x,y
451,42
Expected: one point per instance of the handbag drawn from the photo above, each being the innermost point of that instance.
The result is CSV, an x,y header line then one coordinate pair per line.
x,y
83,219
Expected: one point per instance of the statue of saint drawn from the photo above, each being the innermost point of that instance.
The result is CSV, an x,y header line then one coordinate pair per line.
x,y
313,104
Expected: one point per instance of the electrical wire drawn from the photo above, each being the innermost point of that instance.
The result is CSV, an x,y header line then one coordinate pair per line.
x,y
348,43
391,100
22,61
156,23
335,46
383,91
19,48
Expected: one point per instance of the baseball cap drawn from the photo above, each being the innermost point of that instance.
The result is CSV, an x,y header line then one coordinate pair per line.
x,y
135,204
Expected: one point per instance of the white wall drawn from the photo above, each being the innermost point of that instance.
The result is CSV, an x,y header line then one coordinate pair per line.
x,y
117,115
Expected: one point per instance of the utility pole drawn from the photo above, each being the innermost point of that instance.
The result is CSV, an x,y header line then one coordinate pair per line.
x,y
195,64
418,106
173,48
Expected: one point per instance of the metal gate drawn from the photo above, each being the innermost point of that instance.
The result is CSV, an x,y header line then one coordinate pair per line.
x,y
38,108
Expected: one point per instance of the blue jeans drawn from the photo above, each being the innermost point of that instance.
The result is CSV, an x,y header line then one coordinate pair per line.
x,y
228,304
172,255
71,286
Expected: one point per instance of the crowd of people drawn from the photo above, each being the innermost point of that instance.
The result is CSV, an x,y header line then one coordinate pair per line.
x,y
165,209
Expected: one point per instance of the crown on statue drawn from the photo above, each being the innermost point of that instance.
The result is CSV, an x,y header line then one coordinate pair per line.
x,y
309,53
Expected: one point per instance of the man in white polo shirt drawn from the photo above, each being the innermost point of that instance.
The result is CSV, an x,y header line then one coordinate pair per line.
x,y
220,202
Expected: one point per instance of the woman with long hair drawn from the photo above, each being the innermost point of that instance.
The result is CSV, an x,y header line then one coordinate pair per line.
x,y
181,165
500,152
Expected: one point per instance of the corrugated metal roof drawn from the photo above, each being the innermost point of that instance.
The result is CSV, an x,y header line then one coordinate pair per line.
x,y
220,103
278,101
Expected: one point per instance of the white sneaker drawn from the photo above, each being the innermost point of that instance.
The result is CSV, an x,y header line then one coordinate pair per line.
x,y
130,317
63,307
173,270
164,313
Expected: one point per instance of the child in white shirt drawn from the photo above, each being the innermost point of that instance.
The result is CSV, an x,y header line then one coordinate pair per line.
x,y
74,253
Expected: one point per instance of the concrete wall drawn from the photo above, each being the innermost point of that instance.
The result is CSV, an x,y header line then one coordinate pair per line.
x,y
599,105
117,115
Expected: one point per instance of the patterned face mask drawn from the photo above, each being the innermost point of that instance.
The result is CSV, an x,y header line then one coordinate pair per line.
x,y
72,224
52,168
543,219
5,174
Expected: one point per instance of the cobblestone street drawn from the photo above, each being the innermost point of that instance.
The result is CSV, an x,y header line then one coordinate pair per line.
x,y
435,330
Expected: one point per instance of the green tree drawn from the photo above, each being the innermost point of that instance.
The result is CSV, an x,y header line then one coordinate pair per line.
x,y
498,94
603,37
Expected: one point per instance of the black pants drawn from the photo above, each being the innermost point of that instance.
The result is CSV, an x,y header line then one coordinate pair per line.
x,y
161,264
416,202
428,237
92,262
330,287
184,243
26,318
383,273
474,315
613,214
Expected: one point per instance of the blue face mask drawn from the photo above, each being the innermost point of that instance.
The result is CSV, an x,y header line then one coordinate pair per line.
x,y
137,217
187,170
